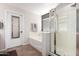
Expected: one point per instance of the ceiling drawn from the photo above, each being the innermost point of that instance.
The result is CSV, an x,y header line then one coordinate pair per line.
x,y
38,8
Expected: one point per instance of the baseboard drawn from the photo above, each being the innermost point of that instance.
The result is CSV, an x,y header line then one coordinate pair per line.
x,y
25,43
7,48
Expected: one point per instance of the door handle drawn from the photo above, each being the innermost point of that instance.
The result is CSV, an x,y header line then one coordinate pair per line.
x,y
21,31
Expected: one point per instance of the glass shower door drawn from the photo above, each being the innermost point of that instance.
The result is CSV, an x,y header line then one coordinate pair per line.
x,y
53,29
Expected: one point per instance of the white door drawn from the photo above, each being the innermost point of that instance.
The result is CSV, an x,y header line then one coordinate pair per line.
x,y
14,29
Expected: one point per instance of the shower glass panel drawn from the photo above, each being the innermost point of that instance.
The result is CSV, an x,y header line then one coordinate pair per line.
x,y
46,25
53,29
46,33
53,35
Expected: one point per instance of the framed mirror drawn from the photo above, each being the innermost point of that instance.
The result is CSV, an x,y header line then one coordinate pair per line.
x,y
15,26
33,27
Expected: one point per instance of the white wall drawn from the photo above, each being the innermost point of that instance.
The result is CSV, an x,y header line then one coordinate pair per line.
x,y
3,9
35,37
29,17
2,37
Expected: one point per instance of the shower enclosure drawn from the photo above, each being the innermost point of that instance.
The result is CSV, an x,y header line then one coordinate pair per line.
x,y
53,30
61,25
64,39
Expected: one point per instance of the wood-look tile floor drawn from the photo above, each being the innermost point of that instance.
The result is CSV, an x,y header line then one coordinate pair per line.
x,y
26,50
